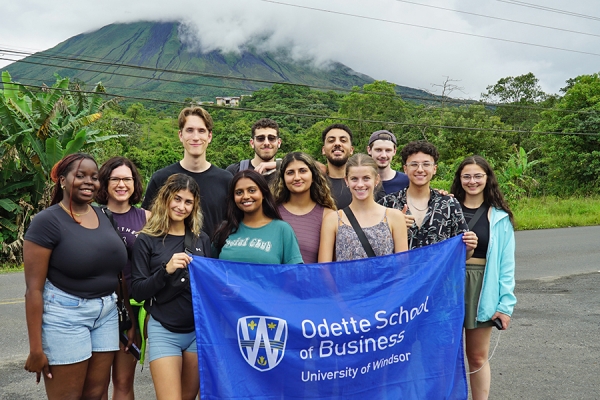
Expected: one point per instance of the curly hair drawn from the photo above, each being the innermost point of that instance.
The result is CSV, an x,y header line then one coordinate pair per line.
x,y
159,222
62,169
491,193
320,192
265,123
419,146
104,175
234,215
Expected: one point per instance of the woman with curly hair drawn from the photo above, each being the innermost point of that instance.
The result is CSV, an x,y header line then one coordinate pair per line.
x,y
254,231
161,255
72,258
490,279
303,198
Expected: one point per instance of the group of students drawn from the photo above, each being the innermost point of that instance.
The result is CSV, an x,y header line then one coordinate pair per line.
x,y
73,256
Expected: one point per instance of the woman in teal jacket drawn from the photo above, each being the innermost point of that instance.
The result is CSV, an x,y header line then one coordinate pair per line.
x,y
490,272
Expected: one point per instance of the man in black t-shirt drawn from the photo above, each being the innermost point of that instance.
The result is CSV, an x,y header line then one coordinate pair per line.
x,y
337,148
265,142
195,133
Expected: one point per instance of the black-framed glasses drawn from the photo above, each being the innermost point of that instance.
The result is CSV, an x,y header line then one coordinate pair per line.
x,y
115,181
262,138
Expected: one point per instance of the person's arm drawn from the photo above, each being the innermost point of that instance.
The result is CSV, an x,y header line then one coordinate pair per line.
x,y
328,234
459,225
506,282
397,225
144,283
36,260
470,240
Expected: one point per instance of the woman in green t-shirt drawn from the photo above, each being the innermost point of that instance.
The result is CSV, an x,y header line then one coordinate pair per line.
x,y
254,231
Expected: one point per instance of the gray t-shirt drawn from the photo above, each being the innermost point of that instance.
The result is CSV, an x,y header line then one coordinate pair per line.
x,y
84,262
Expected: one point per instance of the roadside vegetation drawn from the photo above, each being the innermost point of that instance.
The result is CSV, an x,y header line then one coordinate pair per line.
x,y
545,148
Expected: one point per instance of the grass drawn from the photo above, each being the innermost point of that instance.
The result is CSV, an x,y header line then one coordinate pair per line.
x,y
554,212
530,213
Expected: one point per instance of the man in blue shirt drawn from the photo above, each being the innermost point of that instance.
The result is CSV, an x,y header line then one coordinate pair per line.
x,y
382,147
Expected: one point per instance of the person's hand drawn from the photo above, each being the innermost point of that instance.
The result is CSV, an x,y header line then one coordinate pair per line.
x,y
130,336
470,239
178,260
266,167
444,192
410,219
504,318
38,363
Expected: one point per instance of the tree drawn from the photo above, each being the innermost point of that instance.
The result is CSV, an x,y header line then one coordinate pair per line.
x,y
37,129
572,158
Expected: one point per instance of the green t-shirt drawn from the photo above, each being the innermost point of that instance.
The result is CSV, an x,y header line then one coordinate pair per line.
x,y
274,243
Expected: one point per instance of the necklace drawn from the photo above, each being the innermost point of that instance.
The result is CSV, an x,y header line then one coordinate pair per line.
x,y
415,207
75,214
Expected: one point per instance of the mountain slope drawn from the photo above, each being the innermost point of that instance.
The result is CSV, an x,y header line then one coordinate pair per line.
x,y
148,60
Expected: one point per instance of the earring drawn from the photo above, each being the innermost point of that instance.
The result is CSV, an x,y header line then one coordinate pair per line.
x,y
62,187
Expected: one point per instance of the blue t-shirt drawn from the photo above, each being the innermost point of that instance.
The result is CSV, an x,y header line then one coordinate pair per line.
x,y
274,243
397,183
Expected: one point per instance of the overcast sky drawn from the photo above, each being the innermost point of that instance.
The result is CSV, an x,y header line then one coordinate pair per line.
x,y
408,43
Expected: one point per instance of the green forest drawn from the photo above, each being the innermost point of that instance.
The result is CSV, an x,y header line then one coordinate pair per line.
x,y
540,144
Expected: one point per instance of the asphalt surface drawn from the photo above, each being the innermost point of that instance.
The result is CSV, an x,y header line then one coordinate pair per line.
x,y
550,351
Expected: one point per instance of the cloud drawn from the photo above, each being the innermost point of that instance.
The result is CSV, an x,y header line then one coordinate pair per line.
x,y
413,48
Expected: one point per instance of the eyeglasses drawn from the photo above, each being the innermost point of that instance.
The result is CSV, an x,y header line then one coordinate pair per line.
x,y
115,181
424,165
262,138
476,177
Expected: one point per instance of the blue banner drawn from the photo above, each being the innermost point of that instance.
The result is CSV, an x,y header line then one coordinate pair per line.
x,y
380,328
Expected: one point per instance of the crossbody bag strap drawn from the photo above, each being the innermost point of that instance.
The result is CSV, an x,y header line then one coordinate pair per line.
x,y
359,232
476,216
187,241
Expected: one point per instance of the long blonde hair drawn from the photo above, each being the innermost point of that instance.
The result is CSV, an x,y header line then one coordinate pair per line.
x,y
159,222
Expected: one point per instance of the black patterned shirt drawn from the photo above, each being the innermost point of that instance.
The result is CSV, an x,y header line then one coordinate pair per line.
x,y
444,218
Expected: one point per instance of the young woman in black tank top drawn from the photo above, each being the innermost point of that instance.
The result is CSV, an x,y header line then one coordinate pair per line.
x,y
490,282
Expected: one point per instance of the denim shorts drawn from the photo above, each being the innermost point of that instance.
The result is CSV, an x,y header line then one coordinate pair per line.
x,y
73,328
164,343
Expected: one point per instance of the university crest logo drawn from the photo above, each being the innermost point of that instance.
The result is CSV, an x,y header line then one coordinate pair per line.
x,y
262,341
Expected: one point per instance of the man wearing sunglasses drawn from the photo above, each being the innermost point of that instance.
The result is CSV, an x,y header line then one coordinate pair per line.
x,y
265,142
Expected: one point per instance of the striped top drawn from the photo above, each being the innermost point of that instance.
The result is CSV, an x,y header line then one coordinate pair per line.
x,y
308,230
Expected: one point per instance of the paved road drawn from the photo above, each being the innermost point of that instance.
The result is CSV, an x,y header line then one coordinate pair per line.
x,y
551,350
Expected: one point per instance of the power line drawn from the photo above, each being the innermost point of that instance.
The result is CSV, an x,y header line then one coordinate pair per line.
x,y
432,28
499,18
549,9
279,112
428,100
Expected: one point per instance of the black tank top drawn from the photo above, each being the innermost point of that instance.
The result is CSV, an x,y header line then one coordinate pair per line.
x,y
481,229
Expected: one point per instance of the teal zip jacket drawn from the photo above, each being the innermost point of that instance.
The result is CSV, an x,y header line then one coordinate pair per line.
x,y
498,290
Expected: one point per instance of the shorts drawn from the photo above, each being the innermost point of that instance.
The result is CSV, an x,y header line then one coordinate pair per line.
x,y
473,284
73,327
164,343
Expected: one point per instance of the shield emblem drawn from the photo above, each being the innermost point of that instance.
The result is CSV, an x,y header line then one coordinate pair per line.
x,y
262,341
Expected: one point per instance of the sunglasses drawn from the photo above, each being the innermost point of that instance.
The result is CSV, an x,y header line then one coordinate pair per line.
x,y
262,138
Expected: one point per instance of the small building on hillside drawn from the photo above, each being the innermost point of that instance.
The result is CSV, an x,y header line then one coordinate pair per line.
x,y
228,101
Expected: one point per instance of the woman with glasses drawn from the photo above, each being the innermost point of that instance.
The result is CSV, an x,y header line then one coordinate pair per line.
x,y
304,199
490,279
384,228
120,189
